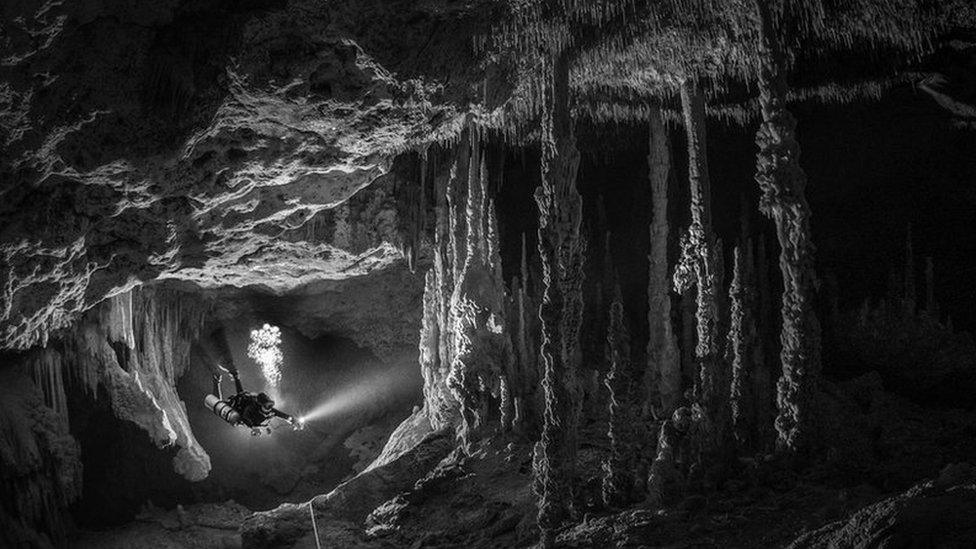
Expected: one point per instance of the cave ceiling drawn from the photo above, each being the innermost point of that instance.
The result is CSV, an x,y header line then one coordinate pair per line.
x,y
204,142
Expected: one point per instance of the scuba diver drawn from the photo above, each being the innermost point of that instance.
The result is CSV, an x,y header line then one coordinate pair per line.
x,y
254,411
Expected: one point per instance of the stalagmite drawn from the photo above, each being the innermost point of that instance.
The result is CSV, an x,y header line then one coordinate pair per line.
x,y
698,266
741,350
482,348
439,405
527,375
561,254
40,462
782,181
437,329
46,369
465,350
619,467
663,376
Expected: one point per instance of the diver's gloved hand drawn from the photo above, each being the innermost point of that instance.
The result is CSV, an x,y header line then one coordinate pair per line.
x,y
296,423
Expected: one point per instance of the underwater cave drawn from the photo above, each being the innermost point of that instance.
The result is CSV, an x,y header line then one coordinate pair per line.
x,y
499,273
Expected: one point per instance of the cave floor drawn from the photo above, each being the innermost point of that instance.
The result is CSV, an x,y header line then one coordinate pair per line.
x,y
198,526
483,497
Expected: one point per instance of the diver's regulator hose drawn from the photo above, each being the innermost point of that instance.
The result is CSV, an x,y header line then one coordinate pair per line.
x,y
221,409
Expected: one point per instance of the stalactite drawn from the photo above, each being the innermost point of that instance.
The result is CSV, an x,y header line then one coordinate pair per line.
x,y
482,355
443,268
782,181
663,377
411,197
561,254
742,340
136,345
456,199
46,368
40,462
698,267
619,467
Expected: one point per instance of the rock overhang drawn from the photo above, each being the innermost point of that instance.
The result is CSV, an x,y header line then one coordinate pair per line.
x,y
182,140
190,155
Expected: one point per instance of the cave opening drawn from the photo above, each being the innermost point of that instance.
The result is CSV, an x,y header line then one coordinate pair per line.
x,y
350,399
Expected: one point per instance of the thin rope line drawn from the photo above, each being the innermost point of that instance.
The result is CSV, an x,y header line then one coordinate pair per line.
x,y
315,529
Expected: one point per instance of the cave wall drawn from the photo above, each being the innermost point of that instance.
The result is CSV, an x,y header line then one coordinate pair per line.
x,y
125,355
40,466
225,125
343,388
119,396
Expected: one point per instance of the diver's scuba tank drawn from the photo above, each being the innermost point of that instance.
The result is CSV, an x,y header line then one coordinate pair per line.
x,y
221,409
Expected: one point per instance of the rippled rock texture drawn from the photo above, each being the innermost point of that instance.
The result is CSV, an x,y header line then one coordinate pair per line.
x,y
182,140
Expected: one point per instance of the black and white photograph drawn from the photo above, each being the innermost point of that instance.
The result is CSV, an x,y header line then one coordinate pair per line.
x,y
487,274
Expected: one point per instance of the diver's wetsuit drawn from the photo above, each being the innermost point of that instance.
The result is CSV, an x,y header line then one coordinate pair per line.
x,y
254,410
249,405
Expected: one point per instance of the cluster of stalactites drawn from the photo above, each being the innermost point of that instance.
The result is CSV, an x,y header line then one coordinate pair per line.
x,y
630,53
473,375
40,465
46,369
412,216
135,345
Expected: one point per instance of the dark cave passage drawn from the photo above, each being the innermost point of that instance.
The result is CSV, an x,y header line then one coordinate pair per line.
x,y
357,399
360,393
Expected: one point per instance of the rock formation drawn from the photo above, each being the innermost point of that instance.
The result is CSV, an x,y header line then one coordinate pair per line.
x,y
561,252
420,181
663,367
782,182
741,350
699,267
621,465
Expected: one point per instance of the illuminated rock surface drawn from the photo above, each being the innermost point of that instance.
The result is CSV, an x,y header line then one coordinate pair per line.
x,y
418,194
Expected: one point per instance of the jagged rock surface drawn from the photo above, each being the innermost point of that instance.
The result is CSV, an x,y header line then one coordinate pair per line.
x,y
936,513
663,378
782,182
40,464
343,511
136,346
180,140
